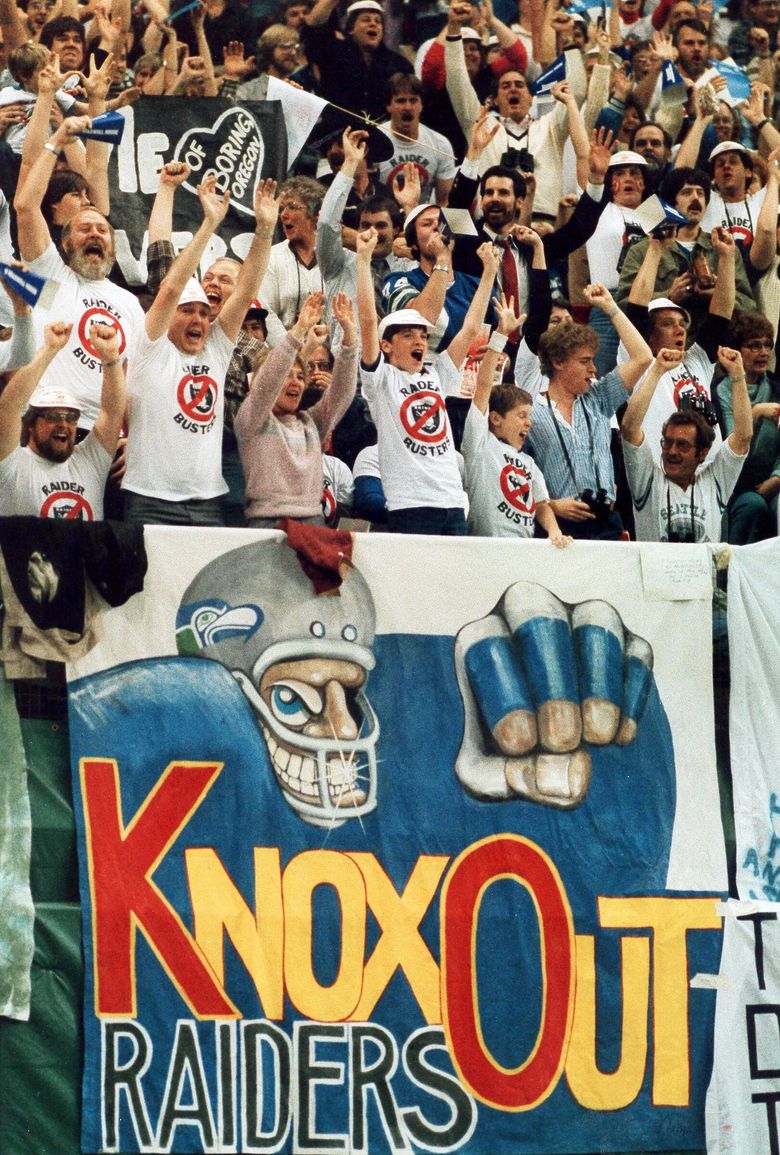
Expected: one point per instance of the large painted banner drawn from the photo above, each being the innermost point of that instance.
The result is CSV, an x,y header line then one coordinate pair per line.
x,y
417,852
743,1100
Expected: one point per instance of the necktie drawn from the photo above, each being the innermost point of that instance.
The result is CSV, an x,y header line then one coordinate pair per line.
x,y
509,279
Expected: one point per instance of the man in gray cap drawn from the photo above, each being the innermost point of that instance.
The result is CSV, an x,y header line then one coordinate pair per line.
x,y
353,71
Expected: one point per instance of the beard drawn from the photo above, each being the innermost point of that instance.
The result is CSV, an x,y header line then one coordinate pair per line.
x,y
90,268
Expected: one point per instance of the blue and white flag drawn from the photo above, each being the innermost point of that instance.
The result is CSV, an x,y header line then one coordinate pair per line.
x,y
31,287
736,78
552,75
673,90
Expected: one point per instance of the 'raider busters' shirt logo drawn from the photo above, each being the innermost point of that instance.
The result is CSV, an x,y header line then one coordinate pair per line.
x,y
104,314
65,501
687,384
424,419
517,500
197,394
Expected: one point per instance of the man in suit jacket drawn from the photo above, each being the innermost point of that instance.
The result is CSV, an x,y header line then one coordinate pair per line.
x,y
502,191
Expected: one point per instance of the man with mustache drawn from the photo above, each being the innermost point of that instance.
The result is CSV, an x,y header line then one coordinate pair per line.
x,y
681,271
85,293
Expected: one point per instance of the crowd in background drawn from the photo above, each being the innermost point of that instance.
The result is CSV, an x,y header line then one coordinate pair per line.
x,y
522,280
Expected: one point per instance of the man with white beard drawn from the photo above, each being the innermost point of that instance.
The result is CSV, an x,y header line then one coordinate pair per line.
x,y
85,294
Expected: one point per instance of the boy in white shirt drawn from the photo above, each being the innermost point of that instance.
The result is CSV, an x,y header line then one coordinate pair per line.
x,y
406,397
506,490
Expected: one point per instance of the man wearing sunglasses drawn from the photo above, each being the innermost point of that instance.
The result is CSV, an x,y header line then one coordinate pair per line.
x,y
683,499
49,474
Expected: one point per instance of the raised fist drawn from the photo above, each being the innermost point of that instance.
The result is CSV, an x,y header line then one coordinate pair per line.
x,y
541,682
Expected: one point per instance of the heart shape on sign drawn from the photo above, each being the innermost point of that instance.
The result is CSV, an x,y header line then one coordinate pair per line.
x,y
233,150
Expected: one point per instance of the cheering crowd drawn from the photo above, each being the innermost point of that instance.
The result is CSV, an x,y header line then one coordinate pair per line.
x,y
521,281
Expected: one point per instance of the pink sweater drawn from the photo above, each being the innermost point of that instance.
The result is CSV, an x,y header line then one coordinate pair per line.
x,y
282,456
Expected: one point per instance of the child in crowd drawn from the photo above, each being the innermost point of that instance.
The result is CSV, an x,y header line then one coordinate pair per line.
x,y
417,456
281,447
506,491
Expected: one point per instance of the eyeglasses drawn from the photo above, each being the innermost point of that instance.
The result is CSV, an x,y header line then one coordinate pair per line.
x,y
676,443
755,346
55,416
292,45
323,365
291,206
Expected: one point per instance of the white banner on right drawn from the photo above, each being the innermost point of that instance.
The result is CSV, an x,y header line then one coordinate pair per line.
x,y
743,1100
754,724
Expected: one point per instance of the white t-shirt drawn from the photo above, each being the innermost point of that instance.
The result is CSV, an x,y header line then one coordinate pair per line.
x,y
417,456
739,218
72,490
338,488
431,155
659,504
176,408
504,485
691,378
77,368
616,226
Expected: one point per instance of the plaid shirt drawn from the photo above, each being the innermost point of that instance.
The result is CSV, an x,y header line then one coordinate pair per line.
x,y
159,259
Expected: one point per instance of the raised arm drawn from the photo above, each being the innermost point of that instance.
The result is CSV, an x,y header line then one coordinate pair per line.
x,y
49,79
320,13
198,16
330,250
172,174
724,293
165,303
577,131
688,153
764,247
639,354
369,335
639,401
336,399
34,235
430,300
508,323
742,432
113,399
17,393
97,83
256,263
14,32
475,317
460,90
643,286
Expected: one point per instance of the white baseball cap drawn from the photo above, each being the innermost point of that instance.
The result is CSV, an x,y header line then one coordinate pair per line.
x,y
665,303
626,157
407,318
412,217
52,397
365,6
728,146
192,291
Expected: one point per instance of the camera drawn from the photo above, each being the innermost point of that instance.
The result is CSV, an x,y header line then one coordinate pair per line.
x,y
681,537
518,158
599,504
699,403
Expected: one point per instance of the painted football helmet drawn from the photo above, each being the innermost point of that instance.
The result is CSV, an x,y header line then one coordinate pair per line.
x,y
302,659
